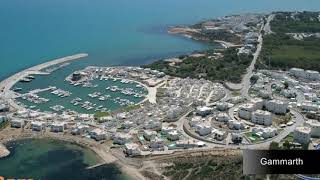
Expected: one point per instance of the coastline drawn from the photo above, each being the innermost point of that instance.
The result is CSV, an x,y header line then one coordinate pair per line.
x,y
4,152
189,33
102,151
6,84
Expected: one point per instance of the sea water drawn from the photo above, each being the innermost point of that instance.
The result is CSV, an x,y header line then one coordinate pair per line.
x,y
47,159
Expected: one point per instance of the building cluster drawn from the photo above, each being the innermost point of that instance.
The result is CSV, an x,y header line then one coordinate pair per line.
x,y
250,41
305,74
253,111
144,75
4,106
310,129
203,126
236,24
297,88
206,107
197,91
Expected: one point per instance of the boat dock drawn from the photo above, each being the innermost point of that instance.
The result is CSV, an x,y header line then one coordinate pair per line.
x,y
97,165
4,152
8,83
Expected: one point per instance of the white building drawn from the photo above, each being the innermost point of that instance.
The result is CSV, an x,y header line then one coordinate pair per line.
x,y
258,103
127,124
152,124
305,88
302,135
203,110
132,149
222,117
264,94
4,107
315,127
245,111
277,106
156,143
185,144
222,106
33,114
173,113
173,135
235,125
237,99
104,119
166,129
122,138
148,134
66,117
309,106
314,85
84,117
57,127
262,117
203,129
80,129
98,134
236,138
218,135
307,74
37,125
195,120
266,133
297,72
312,75
122,115
311,96
17,123
288,93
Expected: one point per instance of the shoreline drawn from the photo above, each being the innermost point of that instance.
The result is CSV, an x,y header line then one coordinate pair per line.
x,y
188,33
8,83
102,151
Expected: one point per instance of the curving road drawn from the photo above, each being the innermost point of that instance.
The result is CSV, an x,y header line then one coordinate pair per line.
x,y
244,92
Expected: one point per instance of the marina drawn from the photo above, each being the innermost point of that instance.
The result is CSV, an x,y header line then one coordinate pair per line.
x,y
86,97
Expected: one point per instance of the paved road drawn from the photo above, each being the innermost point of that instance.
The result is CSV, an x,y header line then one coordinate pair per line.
x,y
246,79
267,27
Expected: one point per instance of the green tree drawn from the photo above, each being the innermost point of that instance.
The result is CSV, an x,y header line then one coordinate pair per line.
x,y
286,145
274,146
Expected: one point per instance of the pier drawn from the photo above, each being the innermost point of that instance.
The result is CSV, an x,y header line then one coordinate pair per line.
x,y
97,165
8,83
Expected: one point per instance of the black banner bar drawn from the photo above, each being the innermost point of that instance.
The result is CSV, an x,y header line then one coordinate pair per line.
x,y
281,162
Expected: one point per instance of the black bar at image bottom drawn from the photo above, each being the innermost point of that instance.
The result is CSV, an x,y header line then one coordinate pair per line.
x,y
281,162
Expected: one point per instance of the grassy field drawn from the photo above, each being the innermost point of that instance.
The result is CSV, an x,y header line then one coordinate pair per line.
x,y
288,138
278,119
218,167
256,138
281,51
98,115
296,23
4,125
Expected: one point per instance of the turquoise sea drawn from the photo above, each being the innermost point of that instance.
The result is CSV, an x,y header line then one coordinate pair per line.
x,y
112,32
44,159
